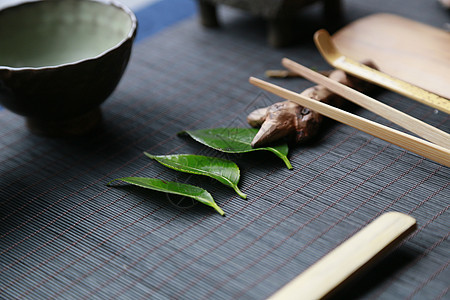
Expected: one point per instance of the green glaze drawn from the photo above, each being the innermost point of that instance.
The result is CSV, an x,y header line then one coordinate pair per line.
x,y
235,140
59,60
176,188
222,170
52,33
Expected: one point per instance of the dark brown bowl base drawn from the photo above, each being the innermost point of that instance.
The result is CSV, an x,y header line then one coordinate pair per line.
x,y
65,128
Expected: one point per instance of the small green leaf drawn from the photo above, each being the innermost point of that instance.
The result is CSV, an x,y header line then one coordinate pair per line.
x,y
235,140
225,171
176,188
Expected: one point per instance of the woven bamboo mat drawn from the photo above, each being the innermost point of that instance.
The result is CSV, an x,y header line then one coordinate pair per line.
x,y
65,234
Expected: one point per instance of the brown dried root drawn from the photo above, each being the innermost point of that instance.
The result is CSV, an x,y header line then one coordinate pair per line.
x,y
297,123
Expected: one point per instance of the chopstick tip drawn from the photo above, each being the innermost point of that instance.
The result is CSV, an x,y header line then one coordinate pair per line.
x,y
252,79
285,60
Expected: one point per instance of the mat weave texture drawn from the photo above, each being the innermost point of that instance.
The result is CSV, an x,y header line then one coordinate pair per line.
x,y
65,234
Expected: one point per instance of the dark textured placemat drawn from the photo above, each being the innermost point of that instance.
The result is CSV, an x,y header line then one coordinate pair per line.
x,y
64,234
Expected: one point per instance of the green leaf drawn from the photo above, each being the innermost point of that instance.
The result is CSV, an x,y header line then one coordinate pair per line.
x,y
225,171
235,140
176,188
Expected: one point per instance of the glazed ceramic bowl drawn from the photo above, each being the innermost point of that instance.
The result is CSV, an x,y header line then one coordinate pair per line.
x,y
59,60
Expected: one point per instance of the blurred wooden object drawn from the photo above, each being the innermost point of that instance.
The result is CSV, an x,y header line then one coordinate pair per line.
x,y
400,47
340,61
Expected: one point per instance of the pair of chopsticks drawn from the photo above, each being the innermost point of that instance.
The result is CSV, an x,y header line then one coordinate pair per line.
x,y
437,147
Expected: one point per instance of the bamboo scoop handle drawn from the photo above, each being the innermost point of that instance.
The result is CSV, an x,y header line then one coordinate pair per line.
x,y
354,255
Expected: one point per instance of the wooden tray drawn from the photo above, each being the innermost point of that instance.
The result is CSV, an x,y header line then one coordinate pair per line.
x,y
406,49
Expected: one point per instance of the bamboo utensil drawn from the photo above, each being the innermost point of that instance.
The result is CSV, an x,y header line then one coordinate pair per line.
x,y
403,48
356,254
406,141
332,55
414,125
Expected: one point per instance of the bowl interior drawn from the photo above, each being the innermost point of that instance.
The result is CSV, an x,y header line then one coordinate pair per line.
x,y
51,33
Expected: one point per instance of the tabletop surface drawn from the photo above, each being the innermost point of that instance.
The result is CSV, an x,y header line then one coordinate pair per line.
x,y
65,234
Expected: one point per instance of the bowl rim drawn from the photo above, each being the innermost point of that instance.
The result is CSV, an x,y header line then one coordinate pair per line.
x,y
131,34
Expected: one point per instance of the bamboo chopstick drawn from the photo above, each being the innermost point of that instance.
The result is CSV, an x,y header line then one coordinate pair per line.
x,y
406,141
352,256
287,73
414,125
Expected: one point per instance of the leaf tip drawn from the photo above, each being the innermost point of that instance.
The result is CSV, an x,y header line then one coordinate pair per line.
x,y
149,155
109,183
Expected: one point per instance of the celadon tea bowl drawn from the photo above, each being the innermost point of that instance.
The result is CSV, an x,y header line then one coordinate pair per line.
x,y
59,60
